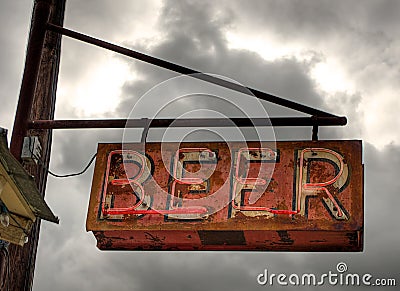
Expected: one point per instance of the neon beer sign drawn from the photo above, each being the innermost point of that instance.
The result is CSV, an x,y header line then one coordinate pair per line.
x,y
304,188
294,186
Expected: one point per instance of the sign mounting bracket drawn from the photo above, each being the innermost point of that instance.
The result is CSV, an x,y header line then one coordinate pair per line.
x,y
317,118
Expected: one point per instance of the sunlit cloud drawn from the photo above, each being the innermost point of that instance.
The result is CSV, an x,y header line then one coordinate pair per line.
x,y
99,90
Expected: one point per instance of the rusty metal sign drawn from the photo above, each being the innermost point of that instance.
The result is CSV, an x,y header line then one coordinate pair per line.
x,y
290,196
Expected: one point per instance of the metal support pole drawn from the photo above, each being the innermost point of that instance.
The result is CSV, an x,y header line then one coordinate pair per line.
x,y
37,35
36,101
206,122
188,71
146,128
315,133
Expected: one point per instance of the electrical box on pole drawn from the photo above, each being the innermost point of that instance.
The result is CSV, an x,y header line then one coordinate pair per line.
x,y
36,101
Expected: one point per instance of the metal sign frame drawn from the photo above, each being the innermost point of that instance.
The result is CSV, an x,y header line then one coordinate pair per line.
x,y
314,196
317,117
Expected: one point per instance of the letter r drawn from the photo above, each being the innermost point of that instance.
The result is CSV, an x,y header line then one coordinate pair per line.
x,y
326,189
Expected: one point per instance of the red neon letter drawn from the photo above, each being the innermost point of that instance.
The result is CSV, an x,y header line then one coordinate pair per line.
x,y
241,183
305,188
192,212
127,157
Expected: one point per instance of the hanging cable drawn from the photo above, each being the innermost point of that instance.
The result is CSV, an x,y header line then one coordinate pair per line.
x,y
67,175
56,175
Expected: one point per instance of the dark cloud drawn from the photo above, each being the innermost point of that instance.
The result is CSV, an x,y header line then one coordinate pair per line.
x,y
197,40
292,20
348,105
380,16
361,35
320,21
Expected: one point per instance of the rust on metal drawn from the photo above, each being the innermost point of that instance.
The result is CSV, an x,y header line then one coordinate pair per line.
x,y
288,196
30,77
183,122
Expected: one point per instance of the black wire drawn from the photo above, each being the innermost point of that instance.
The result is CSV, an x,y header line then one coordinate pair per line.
x,y
56,175
67,175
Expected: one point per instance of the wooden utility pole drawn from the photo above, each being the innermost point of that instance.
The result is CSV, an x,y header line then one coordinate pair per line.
x,y
36,101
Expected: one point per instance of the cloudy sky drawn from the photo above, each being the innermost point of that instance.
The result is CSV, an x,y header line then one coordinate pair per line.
x,y
339,56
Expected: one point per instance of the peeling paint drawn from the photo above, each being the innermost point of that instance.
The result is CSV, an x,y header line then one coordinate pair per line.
x,y
298,196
